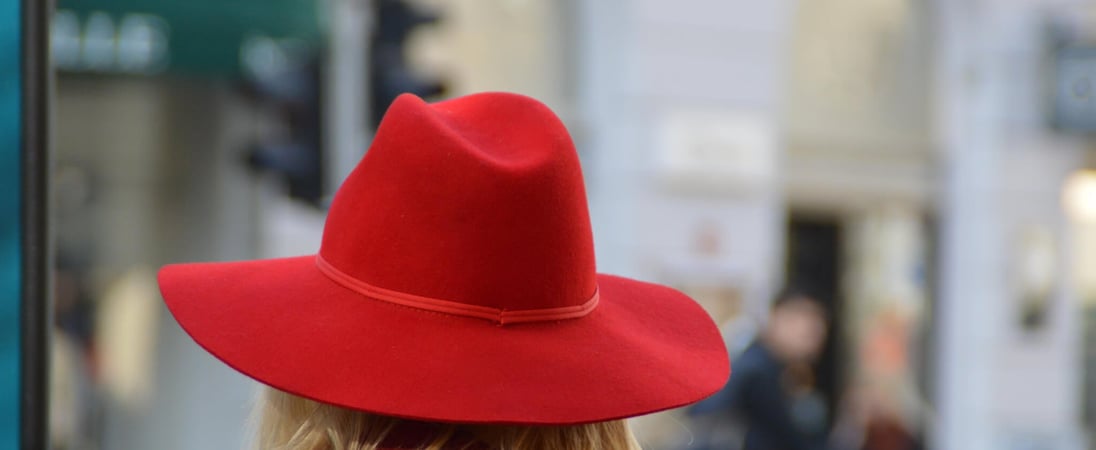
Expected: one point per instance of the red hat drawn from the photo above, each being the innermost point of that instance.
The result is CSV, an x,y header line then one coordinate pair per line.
x,y
456,283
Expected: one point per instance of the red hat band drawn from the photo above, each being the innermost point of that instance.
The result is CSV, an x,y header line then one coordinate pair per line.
x,y
482,221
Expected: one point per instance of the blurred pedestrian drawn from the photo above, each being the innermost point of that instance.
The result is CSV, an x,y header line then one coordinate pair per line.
x,y
881,409
771,389
453,302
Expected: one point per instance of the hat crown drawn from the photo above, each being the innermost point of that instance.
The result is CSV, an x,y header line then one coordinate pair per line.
x,y
477,200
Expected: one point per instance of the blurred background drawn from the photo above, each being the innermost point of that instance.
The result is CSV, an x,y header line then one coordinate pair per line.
x,y
928,167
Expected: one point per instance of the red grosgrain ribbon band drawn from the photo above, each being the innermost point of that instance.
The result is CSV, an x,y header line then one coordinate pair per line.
x,y
500,316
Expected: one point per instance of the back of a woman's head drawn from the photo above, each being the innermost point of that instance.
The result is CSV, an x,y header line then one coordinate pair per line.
x,y
289,422
455,284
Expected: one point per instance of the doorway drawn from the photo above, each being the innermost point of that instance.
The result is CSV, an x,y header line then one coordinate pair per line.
x,y
814,261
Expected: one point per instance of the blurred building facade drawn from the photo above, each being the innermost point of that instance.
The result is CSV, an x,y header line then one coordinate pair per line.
x,y
918,129
896,151
1005,379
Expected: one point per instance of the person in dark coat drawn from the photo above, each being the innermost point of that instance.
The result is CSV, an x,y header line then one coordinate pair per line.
x,y
770,389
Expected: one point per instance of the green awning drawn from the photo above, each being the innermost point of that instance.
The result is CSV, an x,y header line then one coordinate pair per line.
x,y
195,37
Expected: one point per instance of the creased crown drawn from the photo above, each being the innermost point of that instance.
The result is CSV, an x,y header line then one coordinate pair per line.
x,y
477,200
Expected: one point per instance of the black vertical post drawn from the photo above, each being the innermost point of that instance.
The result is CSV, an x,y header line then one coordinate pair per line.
x,y
36,312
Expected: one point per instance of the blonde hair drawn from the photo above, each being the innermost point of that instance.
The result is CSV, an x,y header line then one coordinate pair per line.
x,y
289,422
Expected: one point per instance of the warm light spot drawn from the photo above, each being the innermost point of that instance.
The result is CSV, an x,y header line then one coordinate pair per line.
x,y
1079,196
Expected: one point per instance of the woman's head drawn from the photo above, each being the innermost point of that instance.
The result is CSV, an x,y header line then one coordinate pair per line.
x,y
458,258
289,422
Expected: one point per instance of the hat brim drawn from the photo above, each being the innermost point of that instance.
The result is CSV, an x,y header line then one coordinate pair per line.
x,y
645,348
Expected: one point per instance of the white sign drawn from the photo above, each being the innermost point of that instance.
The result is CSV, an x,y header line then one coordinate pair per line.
x,y
716,150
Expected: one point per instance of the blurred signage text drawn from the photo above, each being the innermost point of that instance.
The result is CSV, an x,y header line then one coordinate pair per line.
x,y
197,37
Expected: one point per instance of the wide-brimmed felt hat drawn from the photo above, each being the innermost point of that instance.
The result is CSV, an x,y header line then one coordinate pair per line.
x,y
456,283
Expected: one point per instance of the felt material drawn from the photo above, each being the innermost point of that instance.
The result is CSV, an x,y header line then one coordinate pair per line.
x,y
478,200
474,204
